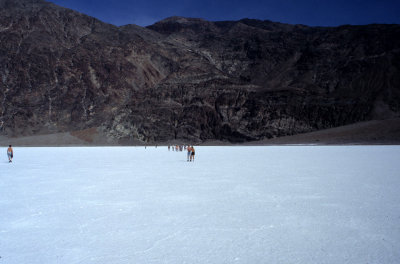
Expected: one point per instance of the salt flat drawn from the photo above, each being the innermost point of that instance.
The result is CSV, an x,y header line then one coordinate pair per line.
x,y
292,204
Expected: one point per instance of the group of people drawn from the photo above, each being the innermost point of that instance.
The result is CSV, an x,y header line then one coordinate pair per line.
x,y
190,151
177,148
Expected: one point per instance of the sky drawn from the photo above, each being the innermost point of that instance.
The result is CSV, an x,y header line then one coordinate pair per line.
x,y
307,12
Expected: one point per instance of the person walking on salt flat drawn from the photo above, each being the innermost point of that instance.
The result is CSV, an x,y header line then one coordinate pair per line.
x,y
189,152
192,153
10,153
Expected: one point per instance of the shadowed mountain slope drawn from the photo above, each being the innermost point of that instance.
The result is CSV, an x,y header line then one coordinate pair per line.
x,y
189,79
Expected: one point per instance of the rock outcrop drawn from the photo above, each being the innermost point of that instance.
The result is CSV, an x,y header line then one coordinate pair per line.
x,y
189,79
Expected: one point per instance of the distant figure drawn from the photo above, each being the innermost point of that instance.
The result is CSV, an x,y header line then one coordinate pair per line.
x,y
10,153
192,154
189,152
169,148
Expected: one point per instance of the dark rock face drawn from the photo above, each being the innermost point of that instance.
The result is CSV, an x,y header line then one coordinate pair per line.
x,y
189,79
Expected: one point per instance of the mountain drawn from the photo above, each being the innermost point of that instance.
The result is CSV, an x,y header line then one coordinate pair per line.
x,y
189,79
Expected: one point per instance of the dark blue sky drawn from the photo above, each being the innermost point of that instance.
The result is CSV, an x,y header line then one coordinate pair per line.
x,y
308,12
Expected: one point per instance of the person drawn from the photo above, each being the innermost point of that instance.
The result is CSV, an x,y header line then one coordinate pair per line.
x,y
189,152
169,147
10,153
192,154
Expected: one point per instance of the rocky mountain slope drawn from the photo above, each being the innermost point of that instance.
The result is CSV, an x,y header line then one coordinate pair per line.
x,y
189,79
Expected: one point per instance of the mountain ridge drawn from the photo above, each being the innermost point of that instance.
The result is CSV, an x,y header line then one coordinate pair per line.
x,y
190,79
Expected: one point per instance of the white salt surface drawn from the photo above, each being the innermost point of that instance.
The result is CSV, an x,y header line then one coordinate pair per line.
x,y
248,205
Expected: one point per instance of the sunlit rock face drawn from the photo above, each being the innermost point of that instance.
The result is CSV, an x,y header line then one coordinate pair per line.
x,y
189,79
